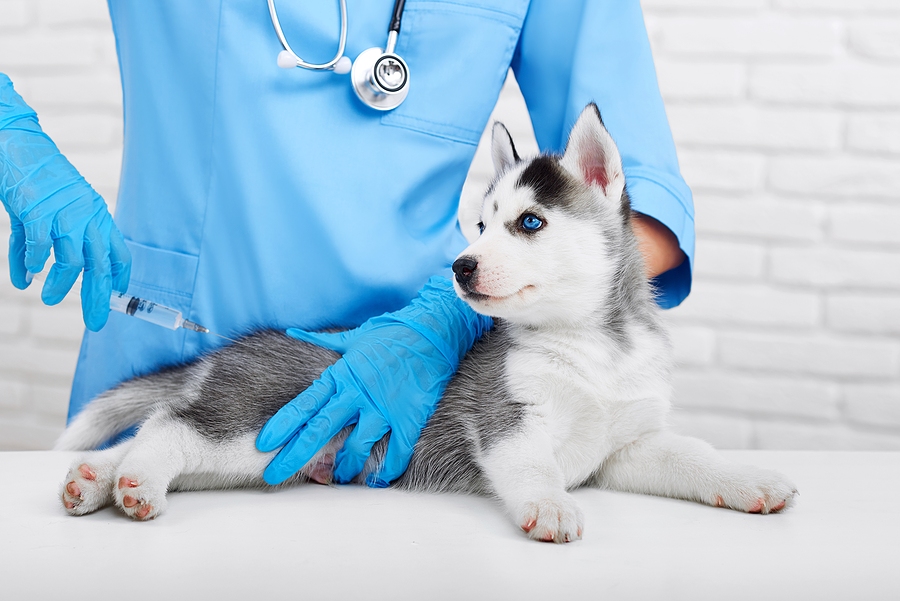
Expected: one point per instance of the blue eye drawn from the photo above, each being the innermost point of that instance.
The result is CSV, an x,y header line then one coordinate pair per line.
x,y
480,227
531,222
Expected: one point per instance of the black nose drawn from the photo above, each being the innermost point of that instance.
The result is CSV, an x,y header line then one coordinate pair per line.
x,y
464,268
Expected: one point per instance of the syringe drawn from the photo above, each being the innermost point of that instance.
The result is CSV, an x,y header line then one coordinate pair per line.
x,y
148,311
152,312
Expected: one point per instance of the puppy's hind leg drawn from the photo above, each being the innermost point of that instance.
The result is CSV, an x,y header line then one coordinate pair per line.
x,y
89,484
666,464
162,449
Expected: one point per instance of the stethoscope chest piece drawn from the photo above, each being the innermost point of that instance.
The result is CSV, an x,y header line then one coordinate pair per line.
x,y
380,79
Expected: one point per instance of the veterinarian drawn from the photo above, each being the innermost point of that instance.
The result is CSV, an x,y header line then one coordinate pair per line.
x,y
256,196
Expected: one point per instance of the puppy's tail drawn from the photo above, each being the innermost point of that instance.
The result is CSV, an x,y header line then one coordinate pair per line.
x,y
124,406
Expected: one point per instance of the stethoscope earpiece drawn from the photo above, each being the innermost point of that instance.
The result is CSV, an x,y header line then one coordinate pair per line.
x,y
286,60
380,78
343,66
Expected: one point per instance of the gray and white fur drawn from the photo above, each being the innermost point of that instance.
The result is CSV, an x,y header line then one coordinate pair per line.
x,y
570,388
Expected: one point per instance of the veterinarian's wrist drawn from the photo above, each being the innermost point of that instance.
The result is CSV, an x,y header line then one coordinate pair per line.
x,y
447,321
658,245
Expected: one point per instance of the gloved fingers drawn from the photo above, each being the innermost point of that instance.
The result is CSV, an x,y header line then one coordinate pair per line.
x,y
282,426
349,461
120,260
38,242
302,447
96,288
68,263
336,341
17,272
396,460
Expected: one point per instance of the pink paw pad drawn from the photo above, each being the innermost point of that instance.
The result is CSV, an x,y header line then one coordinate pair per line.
x,y
143,509
127,483
719,501
86,472
529,525
323,471
73,489
760,505
780,506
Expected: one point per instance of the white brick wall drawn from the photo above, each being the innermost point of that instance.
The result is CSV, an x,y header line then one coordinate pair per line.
x,y
787,118
786,114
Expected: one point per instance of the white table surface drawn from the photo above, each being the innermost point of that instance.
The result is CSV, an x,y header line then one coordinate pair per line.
x,y
840,541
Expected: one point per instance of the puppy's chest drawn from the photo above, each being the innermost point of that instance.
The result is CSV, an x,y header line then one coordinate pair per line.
x,y
565,376
588,398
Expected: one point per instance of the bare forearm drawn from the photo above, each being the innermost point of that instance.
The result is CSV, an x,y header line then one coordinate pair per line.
x,y
658,245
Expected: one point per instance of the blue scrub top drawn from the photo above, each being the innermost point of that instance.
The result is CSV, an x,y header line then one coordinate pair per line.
x,y
253,196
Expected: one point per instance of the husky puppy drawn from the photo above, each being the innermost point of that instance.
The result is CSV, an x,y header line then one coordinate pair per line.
x,y
570,388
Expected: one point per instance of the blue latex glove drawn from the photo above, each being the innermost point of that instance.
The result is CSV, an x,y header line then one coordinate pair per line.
x,y
392,374
51,205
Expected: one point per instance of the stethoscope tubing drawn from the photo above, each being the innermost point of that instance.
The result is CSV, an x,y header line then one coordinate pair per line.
x,y
341,44
397,16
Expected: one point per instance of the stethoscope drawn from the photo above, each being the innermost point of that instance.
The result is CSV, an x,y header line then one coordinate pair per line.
x,y
380,78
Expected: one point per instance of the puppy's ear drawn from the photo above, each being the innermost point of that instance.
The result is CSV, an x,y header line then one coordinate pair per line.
x,y
592,156
503,151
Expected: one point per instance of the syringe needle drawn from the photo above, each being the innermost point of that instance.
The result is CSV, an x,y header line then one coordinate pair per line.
x,y
196,327
190,325
224,337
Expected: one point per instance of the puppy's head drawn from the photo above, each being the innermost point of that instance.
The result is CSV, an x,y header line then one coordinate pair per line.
x,y
544,239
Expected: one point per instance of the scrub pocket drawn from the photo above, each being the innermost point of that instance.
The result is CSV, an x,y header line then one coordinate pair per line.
x,y
126,346
162,276
458,55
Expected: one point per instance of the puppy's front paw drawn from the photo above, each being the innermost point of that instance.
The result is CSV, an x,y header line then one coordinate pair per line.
x,y
139,498
551,518
755,490
85,489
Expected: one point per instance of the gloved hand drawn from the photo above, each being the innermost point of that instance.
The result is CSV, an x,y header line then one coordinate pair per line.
x,y
50,204
393,371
